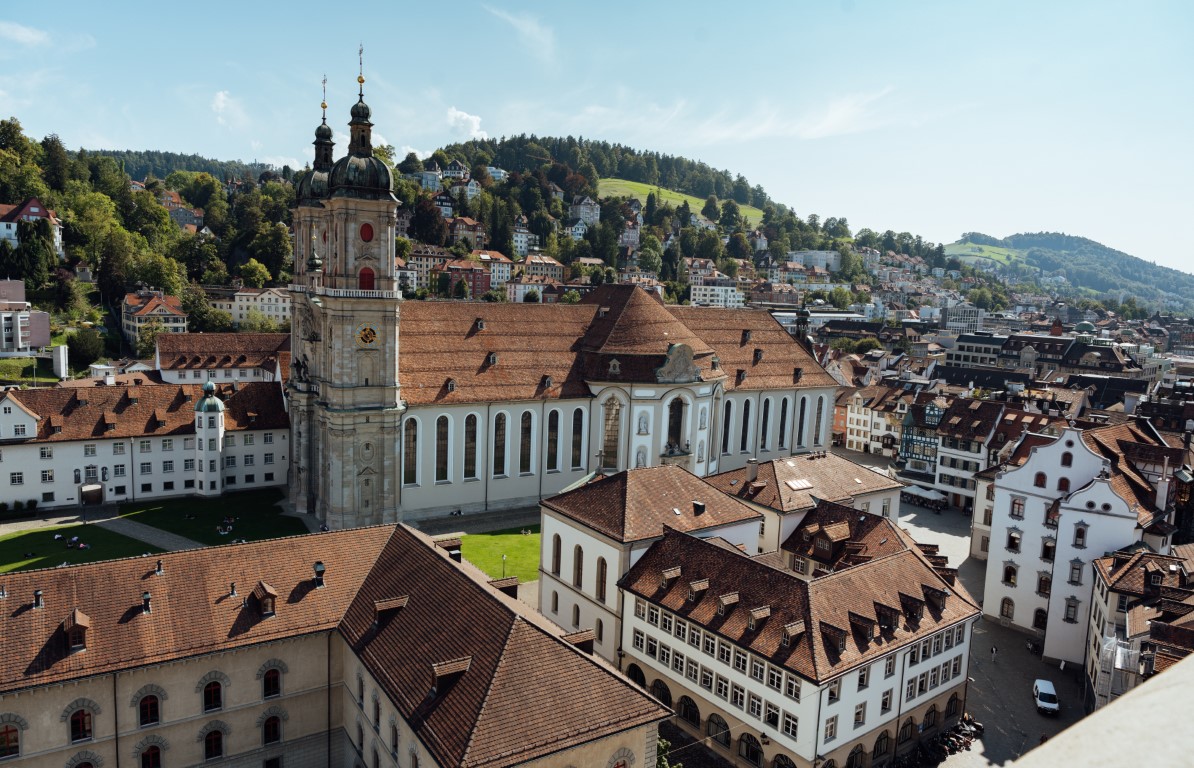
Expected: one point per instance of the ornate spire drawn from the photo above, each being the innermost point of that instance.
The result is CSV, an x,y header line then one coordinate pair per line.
x,y
361,71
323,104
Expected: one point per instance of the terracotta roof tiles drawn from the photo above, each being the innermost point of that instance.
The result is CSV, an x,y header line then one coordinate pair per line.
x,y
795,483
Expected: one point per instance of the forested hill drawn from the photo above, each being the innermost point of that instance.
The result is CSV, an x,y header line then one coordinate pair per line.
x,y
601,160
139,164
1093,267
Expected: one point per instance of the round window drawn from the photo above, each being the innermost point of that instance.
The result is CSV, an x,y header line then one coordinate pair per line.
x,y
367,232
1090,505
1069,443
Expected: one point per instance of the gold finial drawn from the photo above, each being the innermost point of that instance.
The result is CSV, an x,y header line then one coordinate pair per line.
x,y
324,103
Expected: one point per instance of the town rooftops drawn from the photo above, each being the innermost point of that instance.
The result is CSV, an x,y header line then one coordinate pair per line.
x,y
461,661
181,351
797,482
152,303
854,537
812,628
637,504
30,207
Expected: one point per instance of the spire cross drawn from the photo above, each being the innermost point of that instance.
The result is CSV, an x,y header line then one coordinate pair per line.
x,y
361,69
324,103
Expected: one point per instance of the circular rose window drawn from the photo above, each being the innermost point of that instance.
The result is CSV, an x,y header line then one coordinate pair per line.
x,y
367,232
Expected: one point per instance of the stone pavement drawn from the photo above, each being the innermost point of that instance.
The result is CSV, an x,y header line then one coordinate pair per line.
x,y
147,533
1000,692
479,522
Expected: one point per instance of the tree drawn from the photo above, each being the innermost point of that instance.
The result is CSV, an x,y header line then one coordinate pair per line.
x,y
662,748
427,225
494,296
402,248
272,248
738,246
651,209
147,339
840,297
384,153
650,254
711,210
83,348
256,322
570,297
410,164
461,290
731,215
708,246
254,274
531,297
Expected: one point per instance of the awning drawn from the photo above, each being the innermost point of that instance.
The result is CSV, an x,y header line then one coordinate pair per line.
x,y
925,493
92,488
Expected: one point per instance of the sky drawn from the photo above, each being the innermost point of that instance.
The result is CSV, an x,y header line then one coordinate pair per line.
x,y
936,118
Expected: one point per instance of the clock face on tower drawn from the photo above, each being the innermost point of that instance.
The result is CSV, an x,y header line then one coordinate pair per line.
x,y
367,336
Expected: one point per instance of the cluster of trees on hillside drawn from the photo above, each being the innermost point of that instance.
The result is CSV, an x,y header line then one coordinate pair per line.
x,y
139,164
126,236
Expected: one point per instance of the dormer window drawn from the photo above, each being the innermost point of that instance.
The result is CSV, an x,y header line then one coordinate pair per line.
x,y
758,356
450,385
267,598
491,359
715,362
479,324
76,626
741,376
746,336
548,383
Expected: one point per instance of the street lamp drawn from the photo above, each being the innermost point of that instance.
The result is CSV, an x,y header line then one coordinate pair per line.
x,y
503,566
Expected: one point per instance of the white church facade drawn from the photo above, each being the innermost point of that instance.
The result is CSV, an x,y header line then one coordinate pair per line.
x,y
402,410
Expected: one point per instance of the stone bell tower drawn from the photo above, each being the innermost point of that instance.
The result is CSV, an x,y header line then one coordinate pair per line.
x,y
344,384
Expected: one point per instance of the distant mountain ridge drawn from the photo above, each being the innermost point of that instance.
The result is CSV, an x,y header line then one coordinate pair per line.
x,y
1087,265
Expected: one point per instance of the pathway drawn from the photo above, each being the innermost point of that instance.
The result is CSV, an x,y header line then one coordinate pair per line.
x,y
148,534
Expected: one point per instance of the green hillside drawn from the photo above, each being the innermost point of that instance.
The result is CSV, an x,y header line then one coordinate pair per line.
x,y
969,253
624,188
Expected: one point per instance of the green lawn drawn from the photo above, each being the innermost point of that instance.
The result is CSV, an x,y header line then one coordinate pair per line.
x,y
967,251
20,370
257,516
485,551
37,548
624,188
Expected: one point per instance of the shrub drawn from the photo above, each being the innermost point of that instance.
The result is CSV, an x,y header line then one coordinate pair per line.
x,y
31,504
3,507
18,506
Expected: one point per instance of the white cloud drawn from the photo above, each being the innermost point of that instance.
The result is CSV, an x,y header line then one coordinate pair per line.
x,y
22,35
280,160
406,149
462,124
541,39
851,113
229,111
255,144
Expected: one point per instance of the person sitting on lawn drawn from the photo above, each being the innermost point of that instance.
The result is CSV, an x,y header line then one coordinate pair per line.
x,y
58,537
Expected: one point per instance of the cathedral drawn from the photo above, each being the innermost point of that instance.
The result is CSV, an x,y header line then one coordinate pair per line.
x,y
402,410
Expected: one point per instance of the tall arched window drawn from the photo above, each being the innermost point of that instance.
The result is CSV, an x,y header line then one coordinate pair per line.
x,y
602,574
576,616
800,439
951,707
553,441
365,279
727,422
470,446
271,730
688,711
1040,618
80,725
930,720
765,424
151,757
578,438
441,449
783,423
749,749
499,445
660,691
1040,480
744,443
524,444
1067,459
820,417
578,566
882,745
271,683
555,554
717,728
599,631
613,434
856,758
410,452
213,745
1007,608
10,741
1063,484
675,423
1009,575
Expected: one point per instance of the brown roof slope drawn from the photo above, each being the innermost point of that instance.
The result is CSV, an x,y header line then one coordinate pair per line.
x,y
441,341
635,323
192,612
794,483
149,410
723,330
868,536
637,504
208,350
498,711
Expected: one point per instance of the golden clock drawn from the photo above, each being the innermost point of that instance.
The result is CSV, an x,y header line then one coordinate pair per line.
x,y
367,335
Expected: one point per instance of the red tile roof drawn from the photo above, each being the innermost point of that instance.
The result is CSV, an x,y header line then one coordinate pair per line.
x,y
636,504
795,483
146,305
181,351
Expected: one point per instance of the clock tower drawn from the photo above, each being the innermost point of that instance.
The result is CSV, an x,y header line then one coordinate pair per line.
x,y
345,403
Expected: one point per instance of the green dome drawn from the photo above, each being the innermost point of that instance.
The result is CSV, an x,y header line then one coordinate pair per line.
x,y
1084,327
312,187
209,403
361,176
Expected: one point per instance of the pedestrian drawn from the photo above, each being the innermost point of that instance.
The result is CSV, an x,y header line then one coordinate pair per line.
x,y
994,651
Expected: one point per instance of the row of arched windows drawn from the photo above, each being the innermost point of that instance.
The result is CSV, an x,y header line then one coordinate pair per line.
x,y
740,440
600,584
470,436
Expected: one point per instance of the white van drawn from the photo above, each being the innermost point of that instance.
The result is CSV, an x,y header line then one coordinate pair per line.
x,y
1045,696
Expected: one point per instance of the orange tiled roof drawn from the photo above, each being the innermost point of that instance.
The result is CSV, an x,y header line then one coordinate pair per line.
x,y
220,350
795,483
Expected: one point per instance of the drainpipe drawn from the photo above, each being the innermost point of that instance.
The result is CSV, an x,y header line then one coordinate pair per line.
x,y
116,718
328,688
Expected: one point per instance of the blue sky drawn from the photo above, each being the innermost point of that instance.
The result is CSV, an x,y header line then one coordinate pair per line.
x,y
931,117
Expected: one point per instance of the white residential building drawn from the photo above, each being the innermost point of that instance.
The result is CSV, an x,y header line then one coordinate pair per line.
x,y
715,292
272,303
500,268
22,328
148,307
190,358
1073,499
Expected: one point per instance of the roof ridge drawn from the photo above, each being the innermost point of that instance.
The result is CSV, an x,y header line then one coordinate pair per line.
x,y
481,711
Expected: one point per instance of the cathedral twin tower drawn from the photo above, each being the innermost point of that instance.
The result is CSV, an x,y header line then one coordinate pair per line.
x,y
344,394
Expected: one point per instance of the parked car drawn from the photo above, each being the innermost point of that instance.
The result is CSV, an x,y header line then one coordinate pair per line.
x,y
1045,696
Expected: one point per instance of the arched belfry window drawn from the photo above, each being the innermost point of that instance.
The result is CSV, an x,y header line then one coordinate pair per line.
x,y
612,420
365,279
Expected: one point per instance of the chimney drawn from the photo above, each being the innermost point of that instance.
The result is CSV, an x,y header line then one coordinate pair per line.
x,y
698,508
110,380
507,586
37,601
232,589
159,570
319,570
145,605
452,547
752,470
1163,486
